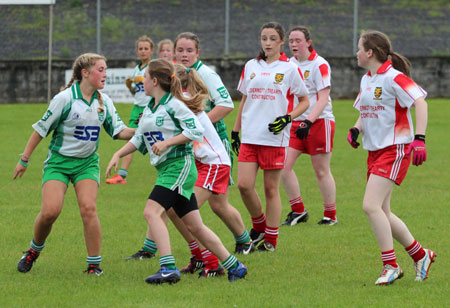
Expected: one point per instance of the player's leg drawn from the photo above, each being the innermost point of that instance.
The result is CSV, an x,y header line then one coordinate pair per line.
x,y
53,192
246,183
194,223
378,189
160,234
272,179
233,220
86,191
321,165
289,179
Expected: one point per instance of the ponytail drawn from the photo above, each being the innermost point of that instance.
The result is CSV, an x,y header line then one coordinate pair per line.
x,y
382,49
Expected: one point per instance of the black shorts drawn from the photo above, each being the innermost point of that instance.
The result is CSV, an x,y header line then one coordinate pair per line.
x,y
172,199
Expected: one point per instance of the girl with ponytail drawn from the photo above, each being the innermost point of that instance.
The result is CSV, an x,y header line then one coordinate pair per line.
x,y
75,115
166,131
386,96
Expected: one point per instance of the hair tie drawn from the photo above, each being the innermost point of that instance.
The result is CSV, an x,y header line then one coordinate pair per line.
x,y
188,69
172,76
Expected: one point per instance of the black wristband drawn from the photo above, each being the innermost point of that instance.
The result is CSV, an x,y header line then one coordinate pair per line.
x,y
419,137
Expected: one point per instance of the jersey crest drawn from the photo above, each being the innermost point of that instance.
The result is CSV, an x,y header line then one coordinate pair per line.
x,y
223,92
377,93
278,78
159,121
47,115
190,123
252,75
306,74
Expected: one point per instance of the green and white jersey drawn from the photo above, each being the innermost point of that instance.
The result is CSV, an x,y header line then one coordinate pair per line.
x,y
219,94
76,123
140,98
169,118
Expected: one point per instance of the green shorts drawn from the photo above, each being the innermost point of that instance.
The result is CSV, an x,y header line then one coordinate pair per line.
x,y
135,112
178,173
71,169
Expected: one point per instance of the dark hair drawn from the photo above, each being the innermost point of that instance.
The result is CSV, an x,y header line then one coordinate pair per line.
x,y
382,49
271,25
306,32
188,36
164,72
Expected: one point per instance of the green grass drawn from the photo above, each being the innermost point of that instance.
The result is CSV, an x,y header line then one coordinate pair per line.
x,y
313,266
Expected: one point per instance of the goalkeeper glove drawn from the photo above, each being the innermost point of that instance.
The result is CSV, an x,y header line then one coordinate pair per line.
x,y
420,152
279,124
303,129
353,136
235,142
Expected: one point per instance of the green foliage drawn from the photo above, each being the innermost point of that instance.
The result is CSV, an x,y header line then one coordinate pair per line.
x,y
115,29
313,266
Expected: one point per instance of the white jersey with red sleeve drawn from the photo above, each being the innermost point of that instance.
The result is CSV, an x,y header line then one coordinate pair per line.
x,y
211,150
384,103
317,76
270,90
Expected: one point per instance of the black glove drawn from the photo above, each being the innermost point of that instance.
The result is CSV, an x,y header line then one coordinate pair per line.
x,y
352,137
279,124
303,129
235,142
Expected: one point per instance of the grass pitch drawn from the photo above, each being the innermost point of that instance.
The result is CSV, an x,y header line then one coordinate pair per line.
x,y
314,266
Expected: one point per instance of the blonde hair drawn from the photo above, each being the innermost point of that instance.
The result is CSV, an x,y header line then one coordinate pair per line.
x,y
192,83
382,49
145,38
85,61
164,42
164,72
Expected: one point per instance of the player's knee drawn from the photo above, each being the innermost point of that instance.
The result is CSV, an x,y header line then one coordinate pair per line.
x,y
88,211
49,216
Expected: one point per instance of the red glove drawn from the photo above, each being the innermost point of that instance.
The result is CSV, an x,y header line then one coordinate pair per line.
x,y
420,152
353,136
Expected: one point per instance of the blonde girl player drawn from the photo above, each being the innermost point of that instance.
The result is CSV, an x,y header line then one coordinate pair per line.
x,y
386,96
144,51
268,84
311,133
220,104
166,131
213,167
75,116
165,50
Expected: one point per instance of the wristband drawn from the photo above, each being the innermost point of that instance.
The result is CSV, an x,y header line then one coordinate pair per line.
x,y
23,162
419,137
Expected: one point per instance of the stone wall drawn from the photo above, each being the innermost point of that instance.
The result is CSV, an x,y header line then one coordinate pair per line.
x,y
26,81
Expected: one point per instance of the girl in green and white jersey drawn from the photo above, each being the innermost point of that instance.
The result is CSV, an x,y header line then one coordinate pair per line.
x,y
166,131
75,116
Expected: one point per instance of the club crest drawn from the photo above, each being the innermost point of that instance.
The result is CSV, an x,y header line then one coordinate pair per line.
x,y
159,121
278,78
47,115
190,123
252,75
223,92
377,93
306,74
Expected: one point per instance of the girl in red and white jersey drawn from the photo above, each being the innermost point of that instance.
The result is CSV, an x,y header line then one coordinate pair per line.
x,y
269,84
312,132
386,95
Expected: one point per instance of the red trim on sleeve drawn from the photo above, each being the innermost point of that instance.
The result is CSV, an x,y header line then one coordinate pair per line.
x,y
324,71
290,98
401,127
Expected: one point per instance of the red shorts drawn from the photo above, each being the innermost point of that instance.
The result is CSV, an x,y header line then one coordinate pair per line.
x,y
390,162
267,157
213,177
319,139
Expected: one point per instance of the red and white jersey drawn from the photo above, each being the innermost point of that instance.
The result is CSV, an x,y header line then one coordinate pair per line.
x,y
270,90
317,76
384,101
211,150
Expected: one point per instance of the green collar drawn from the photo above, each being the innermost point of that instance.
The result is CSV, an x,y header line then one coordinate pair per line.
x,y
76,92
139,65
164,100
197,65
